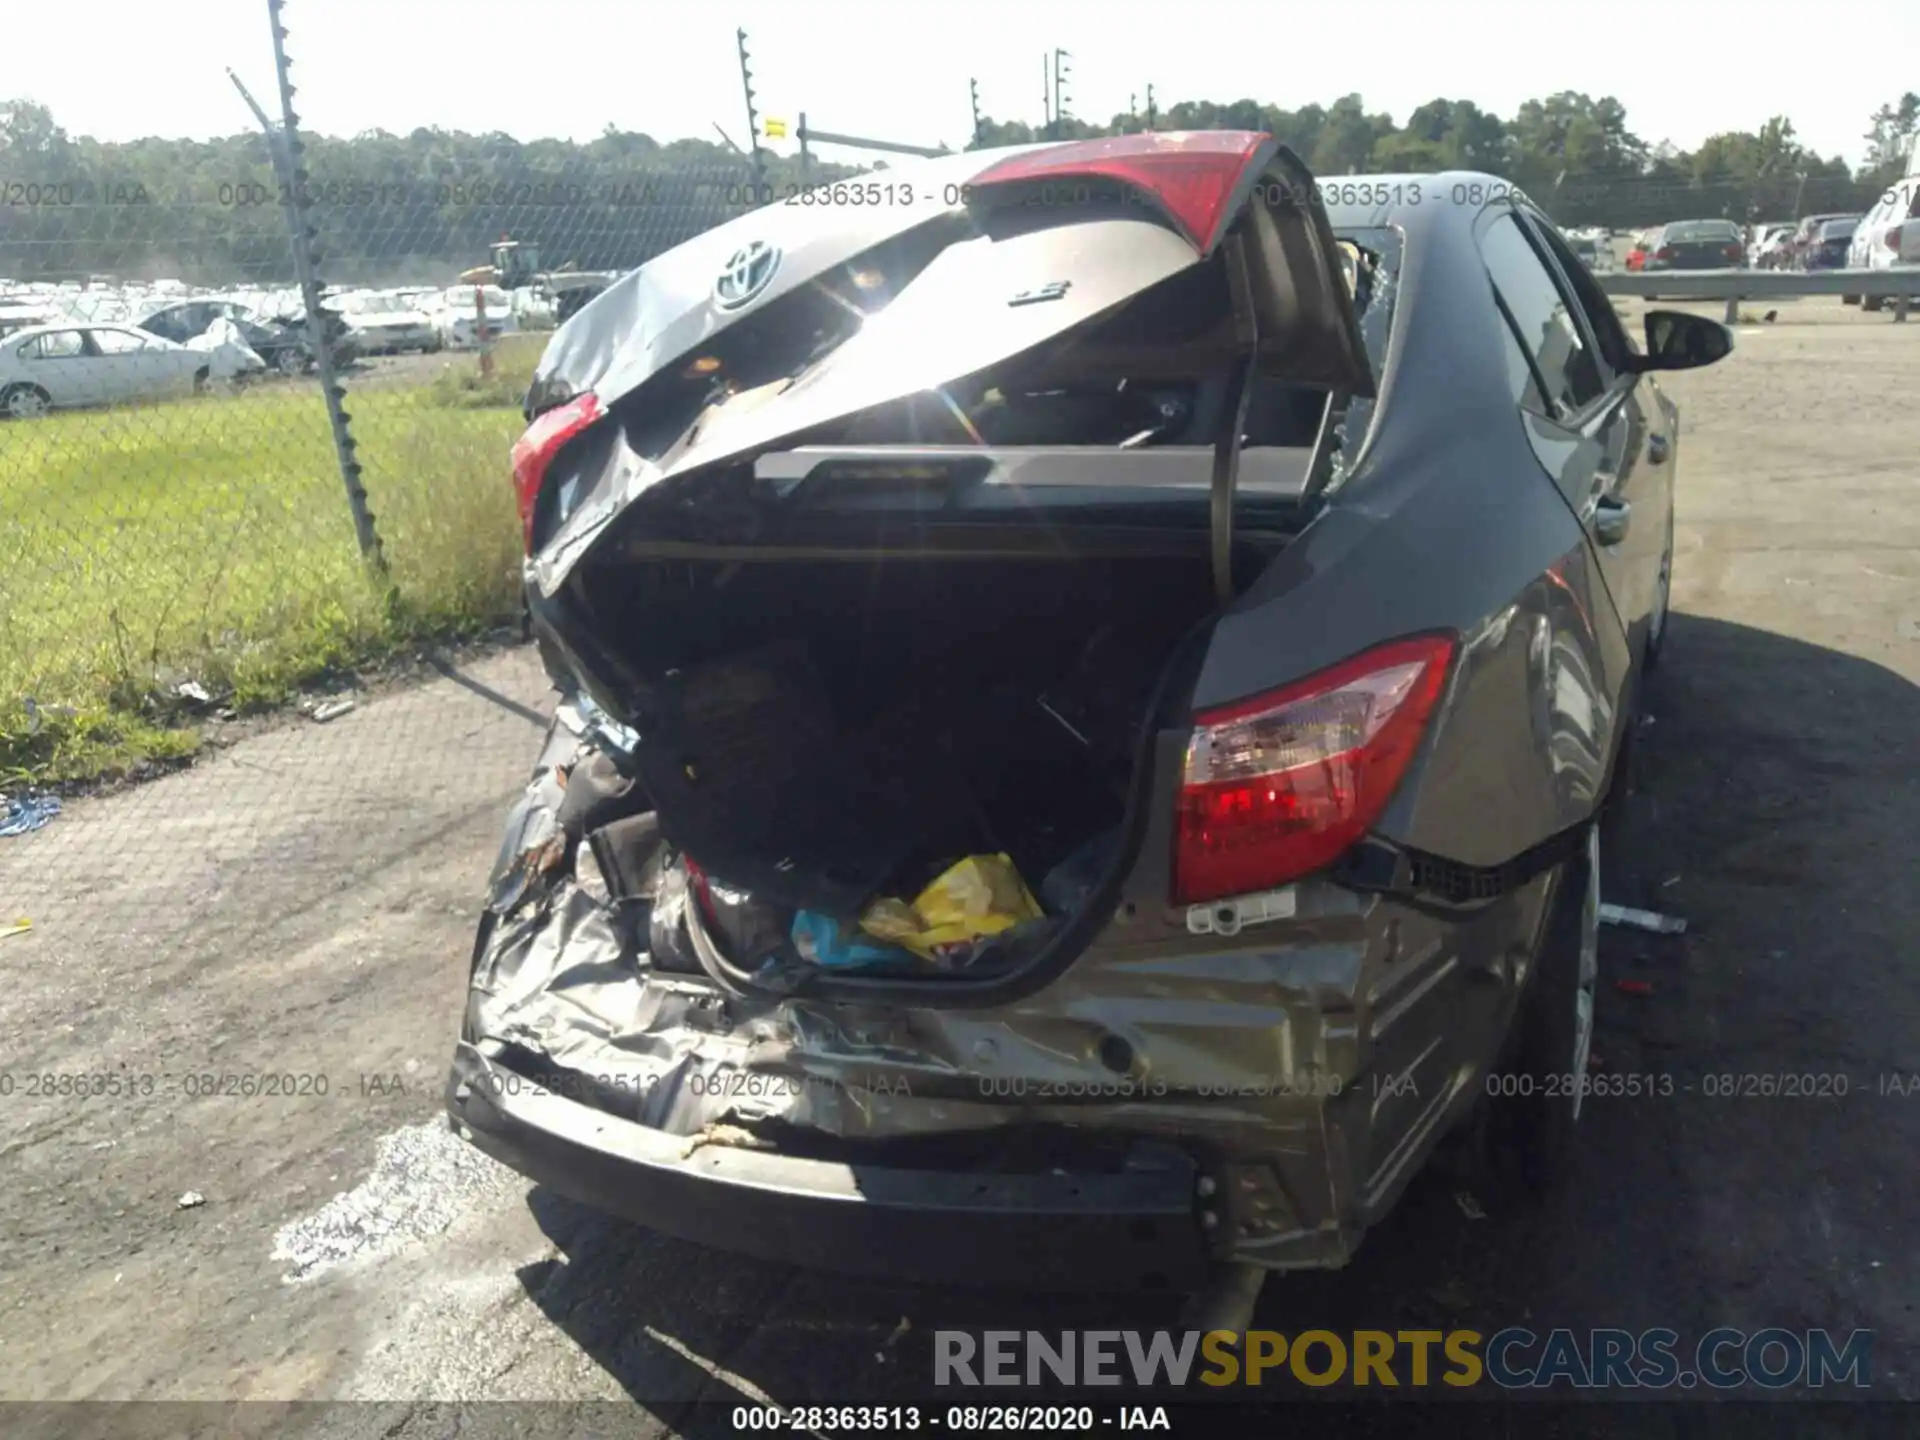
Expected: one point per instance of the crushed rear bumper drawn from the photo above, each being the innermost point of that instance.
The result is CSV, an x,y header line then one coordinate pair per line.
x,y
1113,1232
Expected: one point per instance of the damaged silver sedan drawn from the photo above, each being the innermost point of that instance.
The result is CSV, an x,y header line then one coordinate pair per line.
x,y
1090,690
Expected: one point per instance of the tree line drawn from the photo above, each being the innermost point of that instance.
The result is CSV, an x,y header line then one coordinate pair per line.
x,y
420,207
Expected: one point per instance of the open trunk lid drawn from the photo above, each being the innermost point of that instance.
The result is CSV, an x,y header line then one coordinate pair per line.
x,y
949,269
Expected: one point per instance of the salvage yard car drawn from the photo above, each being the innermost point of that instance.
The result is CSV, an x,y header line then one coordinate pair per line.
x,y
281,343
457,315
62,366
1087,712
387,323
1888,235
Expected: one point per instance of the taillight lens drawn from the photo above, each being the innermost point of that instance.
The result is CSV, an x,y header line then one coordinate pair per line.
x,y
533,452
1665,252
1282,784
1193,174
1890,237
1734,252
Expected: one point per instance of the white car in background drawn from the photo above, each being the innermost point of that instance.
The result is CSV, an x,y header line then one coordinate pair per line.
x,y
1768,248
382,322
14,317
458,316
1594,246
57,367
1889,236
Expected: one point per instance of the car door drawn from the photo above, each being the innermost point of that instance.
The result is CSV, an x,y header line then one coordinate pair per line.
x,y
1595,432
135,367
1633,499
61,363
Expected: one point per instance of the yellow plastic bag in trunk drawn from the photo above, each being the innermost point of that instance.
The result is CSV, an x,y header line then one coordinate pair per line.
x,y
980,896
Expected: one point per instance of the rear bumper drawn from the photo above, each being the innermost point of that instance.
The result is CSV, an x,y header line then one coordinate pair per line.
x,y
1109,1232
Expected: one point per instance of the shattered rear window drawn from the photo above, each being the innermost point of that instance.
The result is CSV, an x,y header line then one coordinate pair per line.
x,y
1380,250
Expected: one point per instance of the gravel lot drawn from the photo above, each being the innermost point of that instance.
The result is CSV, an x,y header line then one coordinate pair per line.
x,y
301,905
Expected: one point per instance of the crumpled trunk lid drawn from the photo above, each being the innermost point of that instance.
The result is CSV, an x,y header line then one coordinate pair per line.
x,y
1030,263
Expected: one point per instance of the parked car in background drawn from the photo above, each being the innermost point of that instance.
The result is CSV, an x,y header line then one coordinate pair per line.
x,y
1827,246
457,315
23,317
282,344
1075,542
1593,248
1804,232
386,323
1768,248
1888,235
1694,245
1697,245
57,367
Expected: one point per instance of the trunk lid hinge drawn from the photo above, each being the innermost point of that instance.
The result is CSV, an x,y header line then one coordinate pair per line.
x,y
1226,445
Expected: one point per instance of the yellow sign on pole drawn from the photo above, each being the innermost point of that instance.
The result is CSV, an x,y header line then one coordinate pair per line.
x,y
776,129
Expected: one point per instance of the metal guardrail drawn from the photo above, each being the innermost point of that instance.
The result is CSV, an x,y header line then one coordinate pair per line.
x,y
1900,286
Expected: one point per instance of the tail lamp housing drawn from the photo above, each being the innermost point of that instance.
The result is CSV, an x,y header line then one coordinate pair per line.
x,y
1282,784
1195,176
533,452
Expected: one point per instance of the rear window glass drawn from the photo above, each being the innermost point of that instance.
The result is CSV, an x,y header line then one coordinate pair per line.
x,y
1837,229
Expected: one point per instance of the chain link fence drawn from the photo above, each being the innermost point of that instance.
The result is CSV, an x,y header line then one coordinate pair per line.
x,y
171,497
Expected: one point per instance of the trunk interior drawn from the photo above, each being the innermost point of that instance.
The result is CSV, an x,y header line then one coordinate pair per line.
x,y
817,734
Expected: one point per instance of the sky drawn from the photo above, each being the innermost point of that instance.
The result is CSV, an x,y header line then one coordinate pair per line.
x,y
1685,69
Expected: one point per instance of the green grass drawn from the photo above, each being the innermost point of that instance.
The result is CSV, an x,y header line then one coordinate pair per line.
x,y
209,539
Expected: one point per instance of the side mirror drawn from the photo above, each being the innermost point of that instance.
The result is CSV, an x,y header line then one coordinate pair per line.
x,y
1677,340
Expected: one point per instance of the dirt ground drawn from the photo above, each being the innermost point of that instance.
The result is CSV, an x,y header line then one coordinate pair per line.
x,y
301,906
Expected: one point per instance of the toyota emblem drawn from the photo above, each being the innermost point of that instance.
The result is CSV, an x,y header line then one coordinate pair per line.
x,y
748,272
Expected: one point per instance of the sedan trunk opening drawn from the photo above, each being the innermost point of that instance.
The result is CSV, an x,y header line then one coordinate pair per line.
x,y
827,732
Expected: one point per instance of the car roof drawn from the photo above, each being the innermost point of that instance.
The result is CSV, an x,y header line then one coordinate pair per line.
x,y
30,331
1397,204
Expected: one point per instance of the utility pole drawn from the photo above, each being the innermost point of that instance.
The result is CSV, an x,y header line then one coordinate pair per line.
x,y
1061,72
753,119
806,155
1153,115
973,96
1046,95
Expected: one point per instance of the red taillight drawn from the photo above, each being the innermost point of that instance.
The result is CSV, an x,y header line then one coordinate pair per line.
x,y
1193,176
1734,252
533,452
1665,252
1890,237
1282,784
